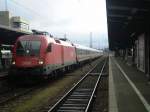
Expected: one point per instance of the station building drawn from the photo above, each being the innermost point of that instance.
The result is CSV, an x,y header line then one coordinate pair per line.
x,y
14,22
19,23
5,18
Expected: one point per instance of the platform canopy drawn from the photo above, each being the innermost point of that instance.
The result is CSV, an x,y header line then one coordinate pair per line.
x,y
126,18
9,35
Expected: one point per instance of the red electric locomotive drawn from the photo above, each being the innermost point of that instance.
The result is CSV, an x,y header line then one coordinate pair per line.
x,y
40,55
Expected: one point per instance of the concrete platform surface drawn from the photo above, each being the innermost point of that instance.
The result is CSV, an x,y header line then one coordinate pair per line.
x,y
129,90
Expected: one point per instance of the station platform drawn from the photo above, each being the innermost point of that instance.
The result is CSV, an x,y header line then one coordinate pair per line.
x,y
129,90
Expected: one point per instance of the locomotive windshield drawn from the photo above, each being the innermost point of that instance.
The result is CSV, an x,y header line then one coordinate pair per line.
x,y
28,48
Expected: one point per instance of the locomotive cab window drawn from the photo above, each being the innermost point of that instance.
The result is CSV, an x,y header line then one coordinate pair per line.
x,y
28,48
49,47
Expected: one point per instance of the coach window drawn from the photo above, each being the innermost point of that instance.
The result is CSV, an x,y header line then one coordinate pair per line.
x,y
49,48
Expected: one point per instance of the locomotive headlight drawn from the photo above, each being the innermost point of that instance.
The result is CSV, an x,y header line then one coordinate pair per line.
x,y
41,62
13,63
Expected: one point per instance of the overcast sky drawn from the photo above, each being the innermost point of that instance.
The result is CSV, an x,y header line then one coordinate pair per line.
x,y
75,18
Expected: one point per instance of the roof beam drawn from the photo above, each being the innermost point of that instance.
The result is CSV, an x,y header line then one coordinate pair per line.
x,y
128,4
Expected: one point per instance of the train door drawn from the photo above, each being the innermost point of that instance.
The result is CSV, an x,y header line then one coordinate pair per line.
x,y
76,54
62,55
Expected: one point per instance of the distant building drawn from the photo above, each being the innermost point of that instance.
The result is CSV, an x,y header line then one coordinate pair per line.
x,y
19,23
5,18
15,22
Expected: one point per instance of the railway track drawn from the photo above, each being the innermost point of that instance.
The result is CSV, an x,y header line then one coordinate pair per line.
x,y
81,95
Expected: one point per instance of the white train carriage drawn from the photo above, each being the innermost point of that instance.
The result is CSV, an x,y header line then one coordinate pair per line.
x,y
86,53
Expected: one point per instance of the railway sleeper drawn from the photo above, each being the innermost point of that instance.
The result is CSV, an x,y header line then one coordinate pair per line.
x,y
83,90
80,95
72,105
72,108
76,101
81,108
69,111
77,97
94,74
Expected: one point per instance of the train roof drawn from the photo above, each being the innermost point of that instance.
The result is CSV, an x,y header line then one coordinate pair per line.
x,y
66,43
85,48
48,38
58,41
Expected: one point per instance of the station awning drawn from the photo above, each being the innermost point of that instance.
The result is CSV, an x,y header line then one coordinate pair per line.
x,y
125,19
9,35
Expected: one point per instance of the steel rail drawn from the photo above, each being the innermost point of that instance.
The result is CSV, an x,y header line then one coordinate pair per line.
x,y
92,96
